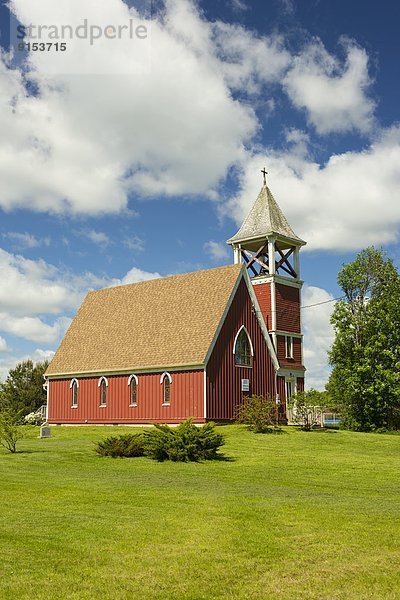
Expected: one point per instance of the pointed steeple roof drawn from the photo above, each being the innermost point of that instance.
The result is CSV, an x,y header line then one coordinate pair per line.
x,y
265,219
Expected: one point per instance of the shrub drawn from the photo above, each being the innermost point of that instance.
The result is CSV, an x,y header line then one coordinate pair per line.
x,y
128,445
183,443
259,413
10,429
34,418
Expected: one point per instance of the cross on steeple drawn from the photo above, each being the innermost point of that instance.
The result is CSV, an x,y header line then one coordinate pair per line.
x,y
265,173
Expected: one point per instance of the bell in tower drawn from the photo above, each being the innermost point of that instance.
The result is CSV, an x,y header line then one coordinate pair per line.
x,y
270,249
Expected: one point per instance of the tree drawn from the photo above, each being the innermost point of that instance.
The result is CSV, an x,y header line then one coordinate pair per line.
x,y
307,408
10,429
365,356
23,388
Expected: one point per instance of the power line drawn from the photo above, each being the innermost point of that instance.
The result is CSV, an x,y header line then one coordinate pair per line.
x,y
319,303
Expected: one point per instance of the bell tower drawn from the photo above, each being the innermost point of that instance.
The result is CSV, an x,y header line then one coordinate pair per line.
x,y
270,249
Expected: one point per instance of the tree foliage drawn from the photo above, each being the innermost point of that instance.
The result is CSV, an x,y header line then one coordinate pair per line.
x,y
10,428
365,356
23,388
259,413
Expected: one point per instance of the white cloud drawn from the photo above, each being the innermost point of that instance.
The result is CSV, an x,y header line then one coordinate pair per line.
x,y
10,361
98,237
134,243
333,95
176,131
239,5
3,345
135,275
248,61
33,328
346,204
30,289
217,251
318,335
26,240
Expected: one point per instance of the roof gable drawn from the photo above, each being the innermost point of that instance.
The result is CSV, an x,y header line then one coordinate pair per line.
x,y
166,322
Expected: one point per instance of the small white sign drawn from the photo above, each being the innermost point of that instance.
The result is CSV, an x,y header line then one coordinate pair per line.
x,y
245,385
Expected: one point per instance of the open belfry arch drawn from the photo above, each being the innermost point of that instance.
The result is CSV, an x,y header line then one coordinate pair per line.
x,y
269,248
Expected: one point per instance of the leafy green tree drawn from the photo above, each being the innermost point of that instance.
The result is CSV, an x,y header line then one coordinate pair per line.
x,y
23,388
11,429
365,356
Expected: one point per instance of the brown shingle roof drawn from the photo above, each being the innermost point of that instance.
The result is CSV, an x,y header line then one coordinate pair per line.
x,y
152,324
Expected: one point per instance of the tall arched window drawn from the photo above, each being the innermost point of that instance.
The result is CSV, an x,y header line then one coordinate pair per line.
x,y
103,385
242,348
74,385
166,381
132,383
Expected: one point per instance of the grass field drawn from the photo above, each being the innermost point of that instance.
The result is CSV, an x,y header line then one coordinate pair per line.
x,y
295,515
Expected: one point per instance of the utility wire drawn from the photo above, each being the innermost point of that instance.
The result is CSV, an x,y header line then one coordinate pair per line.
x,y
319,303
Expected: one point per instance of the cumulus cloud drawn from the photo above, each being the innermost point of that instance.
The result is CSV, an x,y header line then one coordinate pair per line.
x,y
217,251
176,131
334,96
318,335
30,289
346,204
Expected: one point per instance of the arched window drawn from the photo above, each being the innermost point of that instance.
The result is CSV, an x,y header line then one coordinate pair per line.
x,y
74,385
166,381
103,385
132,382
242,348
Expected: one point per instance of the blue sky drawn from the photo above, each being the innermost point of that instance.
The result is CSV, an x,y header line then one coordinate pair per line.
x,y
128,159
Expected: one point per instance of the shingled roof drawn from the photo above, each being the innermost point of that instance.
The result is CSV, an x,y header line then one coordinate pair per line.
x,y
166,322
264,219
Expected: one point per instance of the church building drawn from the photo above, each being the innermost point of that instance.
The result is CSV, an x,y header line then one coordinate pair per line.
x,y
188,345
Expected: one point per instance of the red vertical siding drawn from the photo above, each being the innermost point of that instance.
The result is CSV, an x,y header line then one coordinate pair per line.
x,y
223,377
281,351
300,384
287,308
263,295
187,399
282,398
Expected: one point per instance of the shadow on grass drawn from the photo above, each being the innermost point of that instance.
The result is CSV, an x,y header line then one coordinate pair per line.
x,y
221,458
317,430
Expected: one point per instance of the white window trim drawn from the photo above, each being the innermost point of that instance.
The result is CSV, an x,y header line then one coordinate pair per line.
x,y
102,378
74,380
289,354
133,377
248,337
164,375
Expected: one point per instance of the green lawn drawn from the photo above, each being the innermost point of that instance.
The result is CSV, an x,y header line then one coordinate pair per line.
x,y
295,515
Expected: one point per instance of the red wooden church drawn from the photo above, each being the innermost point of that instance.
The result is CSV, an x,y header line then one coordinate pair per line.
x,y
188,345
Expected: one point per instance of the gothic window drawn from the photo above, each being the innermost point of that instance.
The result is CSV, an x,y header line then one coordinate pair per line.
x,y
74,385
103,385
133,382
243,349
166,381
